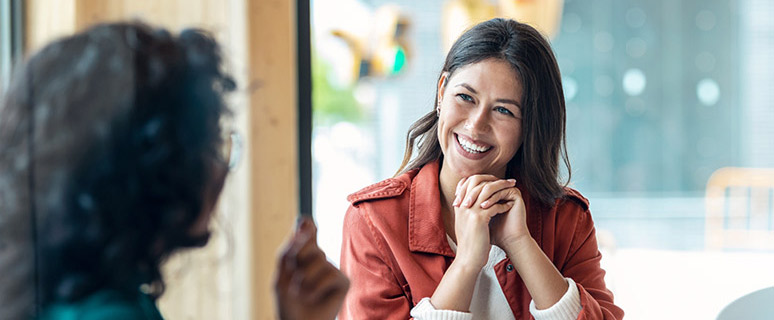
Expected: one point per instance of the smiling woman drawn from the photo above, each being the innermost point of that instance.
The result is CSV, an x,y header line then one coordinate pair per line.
x,y
481,199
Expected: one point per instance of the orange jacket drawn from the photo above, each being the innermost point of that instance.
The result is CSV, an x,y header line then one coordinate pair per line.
x,y
395,250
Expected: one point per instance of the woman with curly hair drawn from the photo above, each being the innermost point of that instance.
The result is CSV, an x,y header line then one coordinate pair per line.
x,y
112,157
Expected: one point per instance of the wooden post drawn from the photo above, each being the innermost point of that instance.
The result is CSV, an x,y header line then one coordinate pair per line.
x,y
274,176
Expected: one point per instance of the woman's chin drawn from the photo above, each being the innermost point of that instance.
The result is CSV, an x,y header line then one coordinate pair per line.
x,y
467,171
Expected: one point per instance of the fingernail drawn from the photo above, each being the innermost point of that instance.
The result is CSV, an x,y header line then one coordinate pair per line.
x,y
466,203
484,204
456,201
512,180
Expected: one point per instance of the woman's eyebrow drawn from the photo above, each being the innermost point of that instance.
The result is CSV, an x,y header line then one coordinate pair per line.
x,y
467,86
501,100
513,102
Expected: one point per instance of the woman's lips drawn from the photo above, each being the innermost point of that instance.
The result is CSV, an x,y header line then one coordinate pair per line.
x,y
469,149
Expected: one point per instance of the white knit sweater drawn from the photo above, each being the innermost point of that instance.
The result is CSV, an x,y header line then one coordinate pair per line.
x,y
489,301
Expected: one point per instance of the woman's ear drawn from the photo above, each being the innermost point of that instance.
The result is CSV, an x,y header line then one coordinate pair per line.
x,y
442,85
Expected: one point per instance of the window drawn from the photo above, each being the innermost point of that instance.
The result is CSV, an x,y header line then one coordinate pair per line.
x,y
11,36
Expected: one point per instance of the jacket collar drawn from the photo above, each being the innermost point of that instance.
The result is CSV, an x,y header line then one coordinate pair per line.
x,y
426,231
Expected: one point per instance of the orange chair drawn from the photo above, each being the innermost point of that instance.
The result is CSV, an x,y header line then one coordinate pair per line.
x,y
740,209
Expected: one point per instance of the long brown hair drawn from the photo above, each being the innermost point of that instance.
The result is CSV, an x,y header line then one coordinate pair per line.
x,y
536,163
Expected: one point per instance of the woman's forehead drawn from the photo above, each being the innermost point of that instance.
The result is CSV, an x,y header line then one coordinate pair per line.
x,y
493,76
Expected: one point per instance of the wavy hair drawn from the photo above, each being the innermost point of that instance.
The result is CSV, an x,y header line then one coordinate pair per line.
x,y
108,140
536,163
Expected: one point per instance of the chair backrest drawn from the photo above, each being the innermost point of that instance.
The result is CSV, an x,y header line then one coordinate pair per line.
x,y
753,306
740,209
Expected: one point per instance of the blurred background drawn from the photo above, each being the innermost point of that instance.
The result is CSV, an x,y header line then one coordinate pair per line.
x,y
669,113
660,96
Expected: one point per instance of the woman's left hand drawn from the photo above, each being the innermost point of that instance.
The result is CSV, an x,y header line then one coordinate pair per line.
x,y
507,227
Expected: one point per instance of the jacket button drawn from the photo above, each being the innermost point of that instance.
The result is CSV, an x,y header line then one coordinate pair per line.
x,y
509,267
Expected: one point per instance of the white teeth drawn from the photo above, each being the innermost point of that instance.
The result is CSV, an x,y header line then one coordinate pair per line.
x,y
470,146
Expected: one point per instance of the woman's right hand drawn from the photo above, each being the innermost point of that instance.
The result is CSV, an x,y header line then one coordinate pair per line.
x,y
471,222
307,286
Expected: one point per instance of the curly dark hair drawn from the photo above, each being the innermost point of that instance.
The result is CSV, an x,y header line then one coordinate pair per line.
x,y
109,146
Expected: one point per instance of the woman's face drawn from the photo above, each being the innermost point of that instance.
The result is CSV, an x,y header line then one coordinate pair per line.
x,y
210,194
479,127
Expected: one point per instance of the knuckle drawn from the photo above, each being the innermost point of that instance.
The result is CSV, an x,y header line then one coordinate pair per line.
x,y
318,255
481,215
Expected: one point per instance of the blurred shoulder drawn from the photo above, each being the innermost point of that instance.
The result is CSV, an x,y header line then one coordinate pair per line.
x,y
104,305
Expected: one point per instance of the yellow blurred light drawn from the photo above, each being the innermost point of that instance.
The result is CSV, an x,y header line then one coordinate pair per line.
x,y
385,50
460,15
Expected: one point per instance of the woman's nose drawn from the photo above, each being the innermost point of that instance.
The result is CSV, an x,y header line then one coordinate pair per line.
x,y
478,121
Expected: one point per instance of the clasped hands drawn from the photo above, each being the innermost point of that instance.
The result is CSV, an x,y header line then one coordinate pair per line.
x,y
488,210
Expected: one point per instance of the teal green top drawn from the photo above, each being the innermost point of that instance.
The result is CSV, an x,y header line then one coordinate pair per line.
x,y
105,304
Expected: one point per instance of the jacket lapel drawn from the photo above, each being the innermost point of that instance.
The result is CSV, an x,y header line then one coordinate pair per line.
x,y
426,231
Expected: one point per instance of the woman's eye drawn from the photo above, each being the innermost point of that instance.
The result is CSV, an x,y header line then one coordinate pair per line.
x,y
465,97
503,110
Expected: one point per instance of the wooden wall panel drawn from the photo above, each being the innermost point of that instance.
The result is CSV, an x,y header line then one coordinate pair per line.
x,y
47,20
271,52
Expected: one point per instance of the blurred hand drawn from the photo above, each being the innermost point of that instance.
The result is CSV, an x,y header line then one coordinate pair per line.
x,y
307,286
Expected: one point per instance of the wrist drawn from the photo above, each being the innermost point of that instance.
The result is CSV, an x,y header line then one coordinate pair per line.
x,y
465,268
515,247
455,290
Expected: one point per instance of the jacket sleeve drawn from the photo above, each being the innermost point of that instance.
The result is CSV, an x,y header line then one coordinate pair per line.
x,y
375,292
583,266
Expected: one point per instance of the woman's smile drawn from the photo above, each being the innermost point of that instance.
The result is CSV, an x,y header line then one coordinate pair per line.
x,y
471,149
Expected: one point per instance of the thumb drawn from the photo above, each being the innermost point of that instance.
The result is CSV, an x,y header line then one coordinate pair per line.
x,y
307,229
